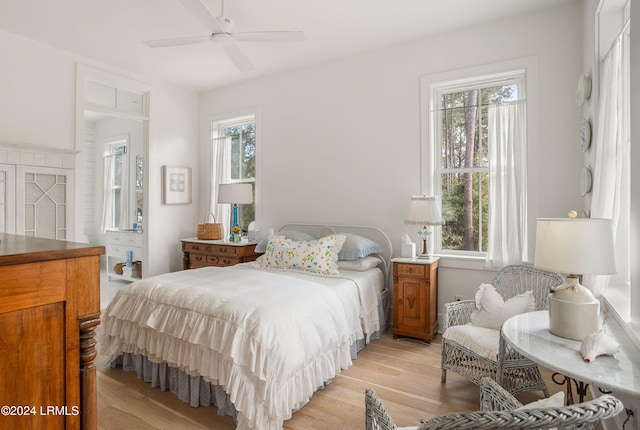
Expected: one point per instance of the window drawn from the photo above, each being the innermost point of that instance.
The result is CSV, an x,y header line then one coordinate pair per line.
x,y
241,161
114,213
460,117
611,152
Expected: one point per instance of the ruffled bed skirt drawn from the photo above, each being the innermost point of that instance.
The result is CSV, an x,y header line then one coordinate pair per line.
x,y
197,391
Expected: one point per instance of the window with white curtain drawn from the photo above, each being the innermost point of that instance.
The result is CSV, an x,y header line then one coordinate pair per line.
x,y
115,198
611,152
478,147
234,161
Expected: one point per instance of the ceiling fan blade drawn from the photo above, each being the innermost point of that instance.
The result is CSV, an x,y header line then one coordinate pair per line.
x,y
269,36
200,11
238,58
163,43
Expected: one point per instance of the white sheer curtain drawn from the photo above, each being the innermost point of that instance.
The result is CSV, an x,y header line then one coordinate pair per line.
x,y
610,142
109,203
219,174
507,241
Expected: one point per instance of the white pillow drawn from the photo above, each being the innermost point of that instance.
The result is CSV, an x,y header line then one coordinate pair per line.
x,y
359,265
492,311
555,401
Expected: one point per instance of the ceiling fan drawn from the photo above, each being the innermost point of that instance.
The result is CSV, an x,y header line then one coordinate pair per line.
x,y
221,34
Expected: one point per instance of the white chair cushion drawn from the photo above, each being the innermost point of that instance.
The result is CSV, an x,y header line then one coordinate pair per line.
x,y
492,311
554,401
481,340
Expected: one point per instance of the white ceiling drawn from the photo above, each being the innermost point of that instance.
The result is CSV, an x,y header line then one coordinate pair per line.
x,y
112,31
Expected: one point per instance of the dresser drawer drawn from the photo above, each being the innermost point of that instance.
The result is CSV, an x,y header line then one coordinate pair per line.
x,y
196,247
411,269
225,250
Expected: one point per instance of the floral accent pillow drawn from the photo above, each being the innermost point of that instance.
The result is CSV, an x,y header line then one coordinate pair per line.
x,y
318,256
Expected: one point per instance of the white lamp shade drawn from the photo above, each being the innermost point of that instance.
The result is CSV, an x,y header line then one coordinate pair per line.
x,y
235,193
424,210
579,246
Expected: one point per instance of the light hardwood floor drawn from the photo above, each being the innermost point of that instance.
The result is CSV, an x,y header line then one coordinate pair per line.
x,y
404,373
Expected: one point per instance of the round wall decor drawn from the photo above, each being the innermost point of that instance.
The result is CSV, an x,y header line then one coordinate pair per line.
x,y
583,92
585,134
586,181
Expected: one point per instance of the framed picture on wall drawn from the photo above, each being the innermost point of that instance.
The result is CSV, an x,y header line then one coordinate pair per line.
x,y
176,185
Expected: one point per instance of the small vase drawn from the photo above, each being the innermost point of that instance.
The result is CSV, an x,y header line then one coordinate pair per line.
x,y
236,237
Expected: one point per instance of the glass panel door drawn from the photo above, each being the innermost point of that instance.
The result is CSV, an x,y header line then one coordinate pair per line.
x,y
43,200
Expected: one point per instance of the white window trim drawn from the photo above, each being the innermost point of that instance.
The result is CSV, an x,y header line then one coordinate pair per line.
x,y
244,114
429,160
620,298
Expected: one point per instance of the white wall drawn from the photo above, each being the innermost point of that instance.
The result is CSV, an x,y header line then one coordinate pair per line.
x,y
340,142
38,108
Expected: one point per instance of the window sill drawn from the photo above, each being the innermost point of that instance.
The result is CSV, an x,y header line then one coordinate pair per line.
x,y
616,302
461,262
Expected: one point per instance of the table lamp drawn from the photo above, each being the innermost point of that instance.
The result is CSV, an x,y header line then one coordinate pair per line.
x,y
574,246
235,194
425,211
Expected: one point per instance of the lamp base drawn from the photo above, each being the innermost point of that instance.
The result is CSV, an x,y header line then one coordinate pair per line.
x,y
573,311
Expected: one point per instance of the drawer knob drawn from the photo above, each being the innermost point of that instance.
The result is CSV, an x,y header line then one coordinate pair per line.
x,y
410,270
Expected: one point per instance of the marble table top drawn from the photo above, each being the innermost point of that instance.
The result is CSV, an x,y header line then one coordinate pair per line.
x,y
529,334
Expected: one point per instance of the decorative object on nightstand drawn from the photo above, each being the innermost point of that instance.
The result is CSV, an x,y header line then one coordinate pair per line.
x,y
576,246
425,211
235,194
415,297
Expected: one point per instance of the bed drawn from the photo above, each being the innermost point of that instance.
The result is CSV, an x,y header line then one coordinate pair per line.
x,y
257,339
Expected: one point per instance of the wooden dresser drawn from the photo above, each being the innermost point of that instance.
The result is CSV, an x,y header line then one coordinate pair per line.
x,y
201,253
415,297
49,310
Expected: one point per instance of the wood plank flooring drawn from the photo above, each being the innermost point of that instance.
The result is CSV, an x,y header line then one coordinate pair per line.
x,y
404,373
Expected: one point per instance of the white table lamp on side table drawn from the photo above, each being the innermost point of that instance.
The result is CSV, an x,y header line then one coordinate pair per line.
x,y
424,211
575,247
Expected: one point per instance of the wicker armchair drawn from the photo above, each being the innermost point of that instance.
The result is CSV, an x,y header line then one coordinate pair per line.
x,y
499,410
496,359
377,417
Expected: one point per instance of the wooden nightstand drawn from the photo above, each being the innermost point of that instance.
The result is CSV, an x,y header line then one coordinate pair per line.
x,y
201,253
415,297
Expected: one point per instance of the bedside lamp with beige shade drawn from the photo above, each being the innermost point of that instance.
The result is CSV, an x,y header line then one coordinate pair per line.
x,y
574,246
425,211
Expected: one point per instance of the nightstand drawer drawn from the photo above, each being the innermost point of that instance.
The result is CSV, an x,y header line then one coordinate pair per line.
x,y
196,247
217,249
411,269
203,260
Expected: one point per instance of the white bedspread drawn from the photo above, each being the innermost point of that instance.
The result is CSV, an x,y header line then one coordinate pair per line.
x,y
270,338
